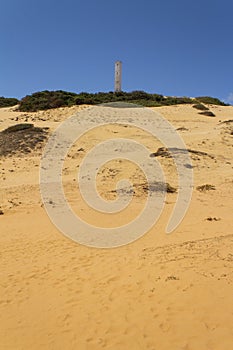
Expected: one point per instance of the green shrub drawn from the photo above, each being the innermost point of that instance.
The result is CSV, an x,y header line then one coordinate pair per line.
x,y
46,100
207,113
8,101
201,107
53,99
210,100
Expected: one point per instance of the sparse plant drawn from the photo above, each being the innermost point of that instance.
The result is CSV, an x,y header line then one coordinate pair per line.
x,y
201,107
206,187
18,127
207,113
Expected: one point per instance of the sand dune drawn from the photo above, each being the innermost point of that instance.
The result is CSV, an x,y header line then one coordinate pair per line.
x,y
159,292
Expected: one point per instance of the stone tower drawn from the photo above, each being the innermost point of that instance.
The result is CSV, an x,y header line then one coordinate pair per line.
x,y
118,72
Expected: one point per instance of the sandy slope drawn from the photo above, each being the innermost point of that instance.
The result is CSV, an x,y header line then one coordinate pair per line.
x,y
160,292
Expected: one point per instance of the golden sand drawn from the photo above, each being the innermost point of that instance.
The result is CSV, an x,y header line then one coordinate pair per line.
x,y
160,292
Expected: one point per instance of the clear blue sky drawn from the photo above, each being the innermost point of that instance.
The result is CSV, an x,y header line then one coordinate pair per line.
x,y
172,47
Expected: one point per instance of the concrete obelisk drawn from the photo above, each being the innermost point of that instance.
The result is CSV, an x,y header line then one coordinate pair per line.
x,y
118,73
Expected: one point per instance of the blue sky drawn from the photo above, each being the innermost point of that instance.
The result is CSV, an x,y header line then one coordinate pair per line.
x,y
173,47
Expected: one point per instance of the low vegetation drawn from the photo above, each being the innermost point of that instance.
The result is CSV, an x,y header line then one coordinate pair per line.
x,y
207,113
21,139
206,187
201,107
53,99
210,100
205,110
44,100
8,102
18,127
168,152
